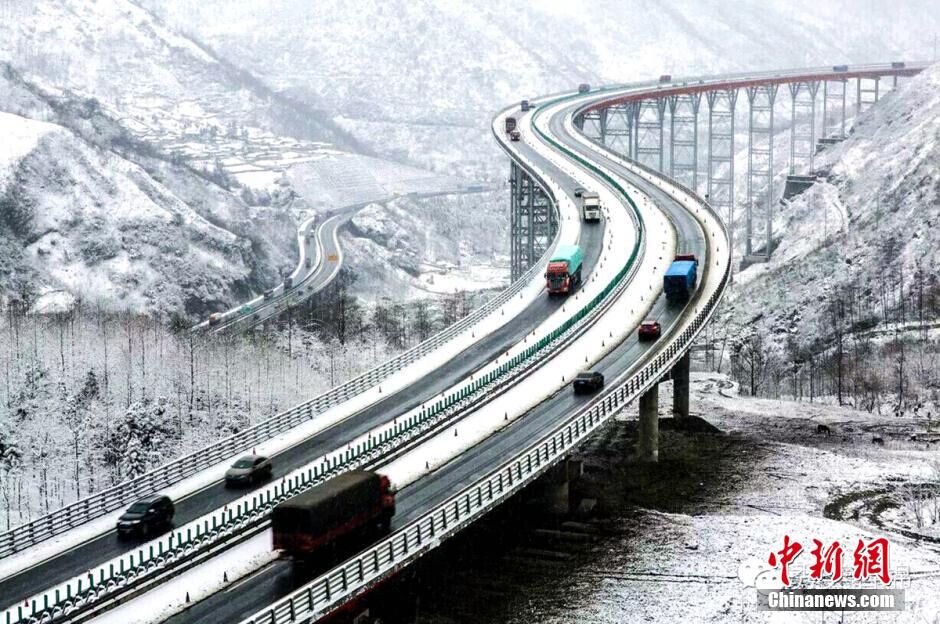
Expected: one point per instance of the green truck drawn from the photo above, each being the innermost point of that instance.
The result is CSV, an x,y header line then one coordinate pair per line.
x,y
564,270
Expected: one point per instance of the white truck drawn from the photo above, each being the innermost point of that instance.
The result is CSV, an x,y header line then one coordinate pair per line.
x,y
590,206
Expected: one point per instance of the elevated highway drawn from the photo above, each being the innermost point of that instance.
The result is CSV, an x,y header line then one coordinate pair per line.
x,y
436,506
645,211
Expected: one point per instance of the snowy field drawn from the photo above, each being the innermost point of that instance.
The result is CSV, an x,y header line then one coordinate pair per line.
x,y
672,542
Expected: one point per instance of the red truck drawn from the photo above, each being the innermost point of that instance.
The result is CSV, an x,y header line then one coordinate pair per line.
x,y
354,503
563,274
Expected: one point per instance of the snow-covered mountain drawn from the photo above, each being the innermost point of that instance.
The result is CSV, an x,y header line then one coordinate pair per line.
x,y
289,99
421,79
862,247
171,180
419,247
118,227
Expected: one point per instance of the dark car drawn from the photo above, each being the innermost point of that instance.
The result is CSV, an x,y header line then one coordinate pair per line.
x,y
578,191
249,469
269,293
649,330
146,516
588,381
514,135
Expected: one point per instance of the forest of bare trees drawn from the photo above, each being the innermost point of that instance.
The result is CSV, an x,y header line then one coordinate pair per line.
x,y
877,349
88,398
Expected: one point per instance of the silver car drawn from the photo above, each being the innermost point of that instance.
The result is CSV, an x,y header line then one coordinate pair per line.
x,y
248,470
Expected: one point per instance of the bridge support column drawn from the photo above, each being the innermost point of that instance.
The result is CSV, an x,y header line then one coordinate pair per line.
x,y
619,131
532,221
760,165
803,126
834,102
649,116
557,492
648,444
594,125
683,138
720,188
680,387
866,95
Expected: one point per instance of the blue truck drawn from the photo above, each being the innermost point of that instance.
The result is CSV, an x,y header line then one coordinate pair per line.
x,y
679,281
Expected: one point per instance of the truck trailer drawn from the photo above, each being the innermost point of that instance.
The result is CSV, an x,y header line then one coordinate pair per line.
x,y
564,270
315,522
679,281
590,206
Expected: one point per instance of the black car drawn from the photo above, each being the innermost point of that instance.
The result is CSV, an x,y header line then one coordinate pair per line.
x,y
588,382
146,515
578,192
248,470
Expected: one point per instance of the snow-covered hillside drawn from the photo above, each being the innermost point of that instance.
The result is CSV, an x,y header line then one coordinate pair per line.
x,y
866,239
290,98
465,60
146,73
93,225
421,247
144,105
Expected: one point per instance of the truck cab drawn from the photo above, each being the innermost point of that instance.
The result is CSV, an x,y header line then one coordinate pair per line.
x,y
590,206
563,274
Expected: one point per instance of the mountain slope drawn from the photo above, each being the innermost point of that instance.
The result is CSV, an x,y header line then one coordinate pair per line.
x,y
83,221
861,248
142,71
465,60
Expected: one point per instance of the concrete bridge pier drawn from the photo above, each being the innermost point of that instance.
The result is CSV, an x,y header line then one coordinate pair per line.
x,y
557,493
680,387
648,444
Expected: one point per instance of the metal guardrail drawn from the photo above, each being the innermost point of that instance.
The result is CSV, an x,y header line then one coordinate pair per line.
x,y
115,497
